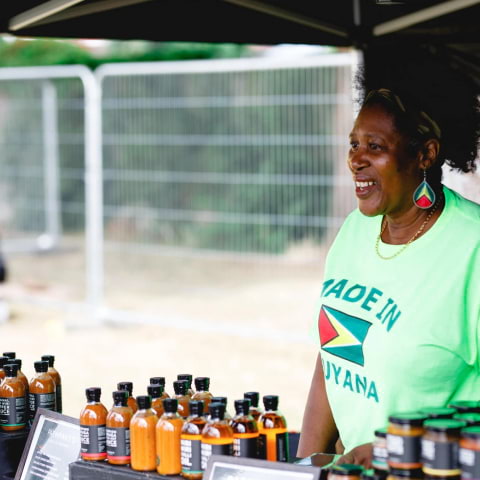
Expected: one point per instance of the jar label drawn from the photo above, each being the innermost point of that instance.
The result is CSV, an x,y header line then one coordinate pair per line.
x,y
118,443
245,447
191,456
208,450
93,441
440,456
40,400
470,463
12,412
380,455
281,443
403,450
58,398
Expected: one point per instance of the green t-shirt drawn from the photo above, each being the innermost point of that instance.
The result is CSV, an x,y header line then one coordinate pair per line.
x,y
401,334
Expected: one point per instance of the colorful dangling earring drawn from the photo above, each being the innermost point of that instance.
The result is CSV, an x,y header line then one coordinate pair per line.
x,y
424,196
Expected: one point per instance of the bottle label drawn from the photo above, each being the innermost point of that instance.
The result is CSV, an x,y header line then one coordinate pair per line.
x,y
58,398
12,412
470,463
245,447
281,447
118,443
380,455
40,400
93,441
440,457
403,451
191,456
208,450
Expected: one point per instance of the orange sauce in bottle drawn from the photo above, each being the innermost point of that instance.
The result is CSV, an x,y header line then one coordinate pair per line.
x,y
142,436
118,429
245,431
41,390
53,372
13,410
168,432
160,381
128,386
181,389
21,376
93,434
189,379
273,432
202,385
255,410
3,362
217,435
155,392
191,442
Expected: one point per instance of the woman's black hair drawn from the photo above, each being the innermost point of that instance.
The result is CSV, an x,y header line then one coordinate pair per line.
x,y
426,79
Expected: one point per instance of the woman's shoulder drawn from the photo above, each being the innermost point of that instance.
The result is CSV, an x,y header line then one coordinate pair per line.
x,y
466,211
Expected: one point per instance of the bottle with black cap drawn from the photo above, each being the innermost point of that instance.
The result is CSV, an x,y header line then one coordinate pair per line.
x,y
181,394
160,381
41,390
118,429
93,433
202,385
255,410
21,376
245,431
53,372
273,432
217,435
155,392
168,431
13,410
142,436
3,362
189,379
223,400
10,355
191,442
128,387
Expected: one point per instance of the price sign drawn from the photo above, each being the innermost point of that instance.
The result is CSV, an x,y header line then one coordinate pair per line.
x,y
53,443
235,468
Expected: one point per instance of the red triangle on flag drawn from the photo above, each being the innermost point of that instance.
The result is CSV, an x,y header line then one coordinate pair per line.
x,y
326,329
424,202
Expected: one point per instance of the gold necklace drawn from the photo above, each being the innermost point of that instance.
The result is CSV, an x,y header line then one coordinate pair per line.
x,y
418,232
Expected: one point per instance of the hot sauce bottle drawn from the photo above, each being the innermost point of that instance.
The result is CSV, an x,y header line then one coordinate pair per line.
x,y
41,390
217,435
13,413
255,410
93,419
189,379
168,430
118,429
128,387
191,442
21,376
245,431
223,400
3,362
155,392
202,385
160,381
142,436
57,379
273,432
181,387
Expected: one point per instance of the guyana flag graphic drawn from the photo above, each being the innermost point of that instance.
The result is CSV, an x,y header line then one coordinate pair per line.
x,y
342,335
424,196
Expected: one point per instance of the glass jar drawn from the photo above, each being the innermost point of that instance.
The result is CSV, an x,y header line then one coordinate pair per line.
x,y
469,454
380,453
465,406
471,419
440,447
345,471
404,435
439,412
405,474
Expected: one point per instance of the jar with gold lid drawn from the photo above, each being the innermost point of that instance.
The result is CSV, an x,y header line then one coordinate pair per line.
x,y
404,435
440,445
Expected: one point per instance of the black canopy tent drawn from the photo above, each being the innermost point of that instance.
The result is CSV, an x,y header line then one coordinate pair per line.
x,y
373,26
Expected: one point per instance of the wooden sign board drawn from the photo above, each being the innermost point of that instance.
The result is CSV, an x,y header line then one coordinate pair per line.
x,y
234,468
53,443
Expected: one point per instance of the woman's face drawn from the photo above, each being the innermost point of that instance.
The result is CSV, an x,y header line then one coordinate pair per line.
x,y
385,176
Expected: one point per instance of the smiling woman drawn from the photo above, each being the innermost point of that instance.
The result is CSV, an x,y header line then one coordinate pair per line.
x,y
415,246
